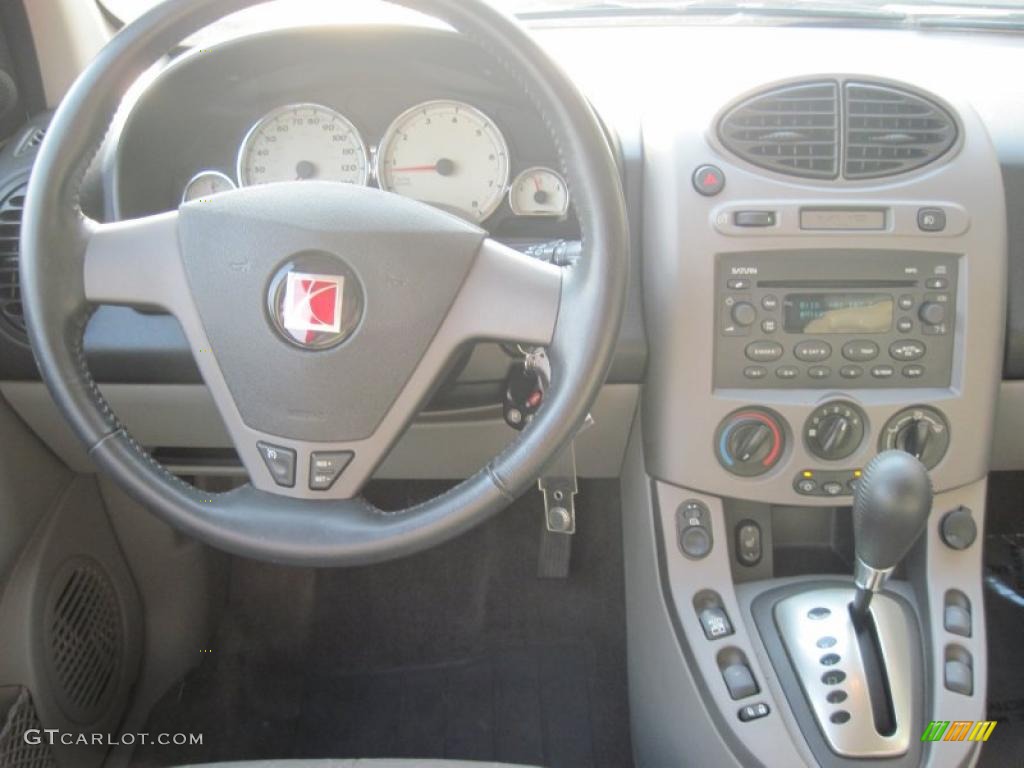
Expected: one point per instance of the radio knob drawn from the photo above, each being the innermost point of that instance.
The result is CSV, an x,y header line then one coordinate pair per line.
x,y
932,313
744,313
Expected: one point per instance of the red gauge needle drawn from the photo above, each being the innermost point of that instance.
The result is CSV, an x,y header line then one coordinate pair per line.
x,y
536,182
444,166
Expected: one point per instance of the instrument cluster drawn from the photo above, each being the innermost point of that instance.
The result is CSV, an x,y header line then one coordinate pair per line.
x,y
443,152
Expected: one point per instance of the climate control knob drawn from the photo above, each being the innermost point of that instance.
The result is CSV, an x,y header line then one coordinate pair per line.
x,y
834,430
750,441
921,431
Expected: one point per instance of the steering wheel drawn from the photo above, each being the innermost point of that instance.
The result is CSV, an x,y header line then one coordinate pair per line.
x,y
320,315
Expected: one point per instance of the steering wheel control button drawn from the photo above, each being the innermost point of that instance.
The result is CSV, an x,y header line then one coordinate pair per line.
x,y
708,180
325,467
833,431
764,351
931,219
812,351
750,441
754,712
693,527
280,463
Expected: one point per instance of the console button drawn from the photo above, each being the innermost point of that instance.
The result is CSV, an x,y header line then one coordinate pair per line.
x,y
936,283
748,543
787,372
906,301
959,677
931,219
754,219
851,371
832,488
738,284
860,351
739,680
883,371
325,467
806,486
769,302
819,371
708,180
957,620
904,325
744,313
812,351
695,541
764,351
907,350
913,371
753,712
715,622
280,462
755,371
958,529
769,326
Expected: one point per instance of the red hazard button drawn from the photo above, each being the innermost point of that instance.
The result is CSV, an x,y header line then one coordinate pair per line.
x,y
708,180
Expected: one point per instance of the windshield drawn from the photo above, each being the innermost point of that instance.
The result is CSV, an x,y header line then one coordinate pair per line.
x,y
942,13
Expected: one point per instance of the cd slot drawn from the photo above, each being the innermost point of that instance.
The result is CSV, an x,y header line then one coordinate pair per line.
x,y
839,284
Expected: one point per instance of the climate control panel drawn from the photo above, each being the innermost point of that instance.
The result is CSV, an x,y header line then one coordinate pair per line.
x,y
751,441
825,319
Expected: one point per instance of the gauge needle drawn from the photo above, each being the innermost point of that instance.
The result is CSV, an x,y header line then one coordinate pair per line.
x,y
444,166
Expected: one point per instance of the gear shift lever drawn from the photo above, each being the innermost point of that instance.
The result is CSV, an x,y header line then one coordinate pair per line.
x,y
890,506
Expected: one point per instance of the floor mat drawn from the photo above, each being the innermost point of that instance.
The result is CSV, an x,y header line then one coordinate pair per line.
x,y
1004,614
458,652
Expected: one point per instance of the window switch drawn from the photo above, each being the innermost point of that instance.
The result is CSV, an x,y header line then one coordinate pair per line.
x,y
959,677
957,619
739,680
715,622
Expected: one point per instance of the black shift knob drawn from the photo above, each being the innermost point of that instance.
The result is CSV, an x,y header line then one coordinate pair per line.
x,y
890,506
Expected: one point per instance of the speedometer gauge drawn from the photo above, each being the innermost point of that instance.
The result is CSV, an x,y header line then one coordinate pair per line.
x,y
302,141
448,154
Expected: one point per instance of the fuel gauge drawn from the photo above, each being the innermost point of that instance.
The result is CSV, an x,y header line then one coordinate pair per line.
x,y
539,191
206,184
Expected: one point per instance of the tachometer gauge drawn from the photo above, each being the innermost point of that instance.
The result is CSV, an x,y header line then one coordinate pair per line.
x,y
206,184
302,141
448,154
539,191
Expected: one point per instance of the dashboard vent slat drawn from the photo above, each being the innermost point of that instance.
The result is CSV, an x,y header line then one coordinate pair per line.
x,y
12,317
890,131
792,130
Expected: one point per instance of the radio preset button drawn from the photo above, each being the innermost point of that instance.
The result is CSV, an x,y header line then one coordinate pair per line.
x,y
904,325
860,351
883,371
819,371
755,371
913,371
812,351
907,350
906,301
743,313
851,371
787,372
770,302
764,351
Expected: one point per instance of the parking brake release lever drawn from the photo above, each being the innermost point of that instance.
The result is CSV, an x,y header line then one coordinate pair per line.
x,y
891,503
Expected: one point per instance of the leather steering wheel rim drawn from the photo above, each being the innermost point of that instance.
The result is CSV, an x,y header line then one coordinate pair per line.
x,y
56,237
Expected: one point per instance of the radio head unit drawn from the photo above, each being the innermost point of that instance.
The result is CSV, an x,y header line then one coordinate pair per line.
x,y
835,319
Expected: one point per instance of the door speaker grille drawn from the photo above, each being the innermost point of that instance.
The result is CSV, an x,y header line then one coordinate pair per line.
x,y
84,631
15,752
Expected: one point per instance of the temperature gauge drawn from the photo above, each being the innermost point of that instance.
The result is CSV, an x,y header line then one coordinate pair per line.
x,y
206,184
539,191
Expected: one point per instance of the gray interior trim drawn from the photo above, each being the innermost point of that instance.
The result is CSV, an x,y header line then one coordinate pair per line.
x,y
1007,446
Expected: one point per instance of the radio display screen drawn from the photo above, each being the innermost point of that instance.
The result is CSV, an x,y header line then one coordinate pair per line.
x,y
837,312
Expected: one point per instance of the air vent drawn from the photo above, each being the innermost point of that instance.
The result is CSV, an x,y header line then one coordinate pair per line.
x,y
792,130
11,316
30,141
84,635
890,131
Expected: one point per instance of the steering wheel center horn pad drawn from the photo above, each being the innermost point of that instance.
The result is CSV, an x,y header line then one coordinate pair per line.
x,y
408,259
321,315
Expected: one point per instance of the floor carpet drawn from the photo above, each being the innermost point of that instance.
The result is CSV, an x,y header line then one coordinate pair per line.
x,y
458,652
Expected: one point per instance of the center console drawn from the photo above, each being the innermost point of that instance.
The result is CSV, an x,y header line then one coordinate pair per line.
x,y
803,318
